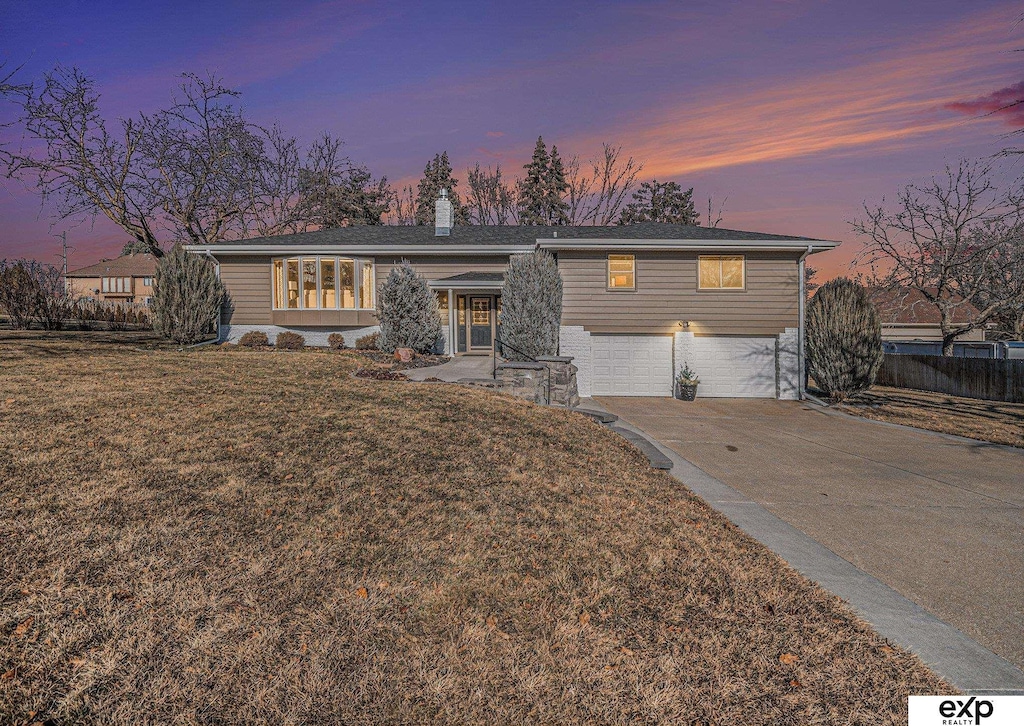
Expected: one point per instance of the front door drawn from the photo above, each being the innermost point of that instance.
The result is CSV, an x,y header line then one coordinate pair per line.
x,y
481,322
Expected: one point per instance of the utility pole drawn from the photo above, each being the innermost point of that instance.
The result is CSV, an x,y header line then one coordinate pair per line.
x,y
64,249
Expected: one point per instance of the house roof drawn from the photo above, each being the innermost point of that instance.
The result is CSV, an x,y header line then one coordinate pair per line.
x,y
507,238
909,306
469,280
137,265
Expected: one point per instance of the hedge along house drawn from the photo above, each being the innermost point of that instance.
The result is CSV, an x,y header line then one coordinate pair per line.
x,y
639,301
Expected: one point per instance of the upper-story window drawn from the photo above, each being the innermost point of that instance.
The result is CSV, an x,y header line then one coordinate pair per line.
x,y
621,272
148,281
117,284
323,283
721,272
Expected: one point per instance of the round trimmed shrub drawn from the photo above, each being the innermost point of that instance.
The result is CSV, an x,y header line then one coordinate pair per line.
x,y
254,339
336,341
368,342
844,339
288,340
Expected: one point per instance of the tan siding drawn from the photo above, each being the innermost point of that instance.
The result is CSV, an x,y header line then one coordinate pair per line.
x,y
247,280
439,266
666,292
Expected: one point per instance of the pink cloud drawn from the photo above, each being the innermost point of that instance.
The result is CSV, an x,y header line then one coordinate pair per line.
x,y
1006,103
495,134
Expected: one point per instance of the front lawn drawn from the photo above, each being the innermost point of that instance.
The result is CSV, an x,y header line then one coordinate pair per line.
x,y
994,421
220,536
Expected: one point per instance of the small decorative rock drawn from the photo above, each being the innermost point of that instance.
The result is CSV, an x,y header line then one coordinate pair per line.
x,y
404,355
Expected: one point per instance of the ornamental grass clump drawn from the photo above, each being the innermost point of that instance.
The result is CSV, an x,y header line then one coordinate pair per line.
x,y
531,306
408,312
844,339
187,295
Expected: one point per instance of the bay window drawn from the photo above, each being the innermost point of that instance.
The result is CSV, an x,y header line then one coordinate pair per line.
x,y
323,283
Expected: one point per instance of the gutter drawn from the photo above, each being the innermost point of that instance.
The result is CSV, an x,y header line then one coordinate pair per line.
x,y
801,266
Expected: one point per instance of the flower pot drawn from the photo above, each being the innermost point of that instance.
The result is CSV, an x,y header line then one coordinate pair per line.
x,y
686,391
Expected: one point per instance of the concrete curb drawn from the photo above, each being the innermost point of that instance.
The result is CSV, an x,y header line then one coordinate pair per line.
x,y
960,660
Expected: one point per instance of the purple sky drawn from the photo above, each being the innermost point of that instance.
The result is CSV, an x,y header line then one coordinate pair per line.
x,y
795,111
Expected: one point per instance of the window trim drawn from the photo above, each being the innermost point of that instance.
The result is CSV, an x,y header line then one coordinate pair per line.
x,y
608,272
721,259
358,265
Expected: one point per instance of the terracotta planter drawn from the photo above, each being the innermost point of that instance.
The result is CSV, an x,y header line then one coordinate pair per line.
x,y
686,391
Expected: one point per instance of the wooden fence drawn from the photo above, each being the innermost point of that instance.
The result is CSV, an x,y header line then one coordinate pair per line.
x,y
984,378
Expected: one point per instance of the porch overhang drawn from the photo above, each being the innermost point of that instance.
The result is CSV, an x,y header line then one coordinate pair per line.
x,y
470,281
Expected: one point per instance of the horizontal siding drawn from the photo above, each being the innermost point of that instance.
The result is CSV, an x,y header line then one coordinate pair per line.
x,y
666,292
247,281
440,266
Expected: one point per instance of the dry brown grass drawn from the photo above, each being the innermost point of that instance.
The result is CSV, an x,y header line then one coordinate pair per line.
x,y
241,537
994,421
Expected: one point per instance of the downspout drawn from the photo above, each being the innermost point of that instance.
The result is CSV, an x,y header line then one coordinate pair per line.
x,y
801,265
220,313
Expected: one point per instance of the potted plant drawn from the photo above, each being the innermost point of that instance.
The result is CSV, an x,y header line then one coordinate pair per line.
x,y
686,384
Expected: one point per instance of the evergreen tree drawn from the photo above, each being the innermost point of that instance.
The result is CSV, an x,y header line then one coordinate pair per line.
x,y
533,189
187,295
437,176
844,338
407,311
556,210
531,305
657,202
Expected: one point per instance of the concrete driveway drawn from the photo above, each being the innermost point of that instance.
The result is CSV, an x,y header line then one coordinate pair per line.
x,y
938,519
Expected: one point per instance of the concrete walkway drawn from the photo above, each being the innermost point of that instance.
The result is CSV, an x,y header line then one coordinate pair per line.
x,y
872,512
459,367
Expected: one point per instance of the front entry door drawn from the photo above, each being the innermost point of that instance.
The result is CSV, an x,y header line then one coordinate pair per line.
x,y
481,322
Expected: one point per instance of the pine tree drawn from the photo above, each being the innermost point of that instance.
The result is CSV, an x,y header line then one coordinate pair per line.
x,y
556,210
534,187
531,305
437,176
407,311
661,202
844,338
187,295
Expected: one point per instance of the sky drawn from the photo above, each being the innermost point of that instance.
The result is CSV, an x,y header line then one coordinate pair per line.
x,y
791,113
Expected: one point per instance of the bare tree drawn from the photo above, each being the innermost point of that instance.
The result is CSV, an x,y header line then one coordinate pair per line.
x,y
1005,286
598,191
404,207
490,200
86,169
715,218
941,239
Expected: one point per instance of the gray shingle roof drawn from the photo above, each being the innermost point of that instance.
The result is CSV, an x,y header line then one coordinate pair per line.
x,y
508,235
473,277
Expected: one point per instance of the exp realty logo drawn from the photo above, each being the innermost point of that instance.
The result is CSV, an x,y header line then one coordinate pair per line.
x,y
966,710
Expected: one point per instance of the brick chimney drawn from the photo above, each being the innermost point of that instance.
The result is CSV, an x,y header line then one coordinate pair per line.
x,y
443,215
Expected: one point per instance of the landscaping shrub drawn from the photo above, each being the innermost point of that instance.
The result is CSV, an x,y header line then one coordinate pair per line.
x,y
844,338
254,339
368,342
31,291
187,296
531,304
336,341
288,340
407,311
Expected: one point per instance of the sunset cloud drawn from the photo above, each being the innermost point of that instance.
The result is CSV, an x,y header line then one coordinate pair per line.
x,y
1006,103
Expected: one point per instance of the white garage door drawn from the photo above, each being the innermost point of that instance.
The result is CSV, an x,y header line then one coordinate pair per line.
x,y
632,365
735,367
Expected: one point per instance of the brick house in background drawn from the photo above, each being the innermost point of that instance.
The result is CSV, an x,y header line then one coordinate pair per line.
x,y
907,315
127,279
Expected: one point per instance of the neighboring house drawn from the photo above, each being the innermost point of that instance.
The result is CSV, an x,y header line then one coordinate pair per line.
x,y
124,279
908,316
640,301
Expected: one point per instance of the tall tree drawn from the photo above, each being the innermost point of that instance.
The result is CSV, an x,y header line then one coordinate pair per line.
x,y
556,210
357,199
437,175
490,200
665,202
942,239
533,188
597,190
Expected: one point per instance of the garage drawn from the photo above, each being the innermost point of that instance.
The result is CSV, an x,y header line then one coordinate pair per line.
x,y
734,367
632,365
